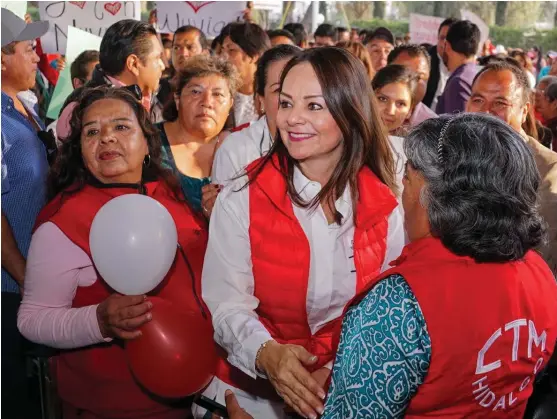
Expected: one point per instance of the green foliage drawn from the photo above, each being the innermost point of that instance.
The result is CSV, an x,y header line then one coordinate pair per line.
x,y
509,37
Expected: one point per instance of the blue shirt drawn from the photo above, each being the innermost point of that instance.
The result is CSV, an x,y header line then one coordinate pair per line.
x,y
24,173
383,355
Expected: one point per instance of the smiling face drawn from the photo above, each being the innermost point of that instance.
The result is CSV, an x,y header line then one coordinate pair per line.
x,y
112,143
307,127
498,93
395,104
203,105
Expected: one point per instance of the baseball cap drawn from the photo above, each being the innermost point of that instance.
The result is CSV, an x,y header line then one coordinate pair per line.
x,y
14,28
381,33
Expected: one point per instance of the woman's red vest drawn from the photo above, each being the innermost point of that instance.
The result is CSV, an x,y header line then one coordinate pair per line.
x,y
492,326
97,378
280,256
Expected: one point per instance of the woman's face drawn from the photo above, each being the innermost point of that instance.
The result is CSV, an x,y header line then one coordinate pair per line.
x,y
416,221
270,102
307,127
112,143
395,104
245,64
204,105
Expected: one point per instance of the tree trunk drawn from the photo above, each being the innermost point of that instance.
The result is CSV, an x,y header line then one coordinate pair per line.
x,y
501,13
379,10
438,9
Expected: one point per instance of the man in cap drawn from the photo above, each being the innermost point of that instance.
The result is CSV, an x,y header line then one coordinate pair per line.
x,y
24,170
379,44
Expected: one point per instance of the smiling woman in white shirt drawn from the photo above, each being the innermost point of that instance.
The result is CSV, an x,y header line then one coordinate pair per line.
x,y
294,240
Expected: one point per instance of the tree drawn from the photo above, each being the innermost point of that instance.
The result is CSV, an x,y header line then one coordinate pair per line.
x,y
379,9
501,13
358,10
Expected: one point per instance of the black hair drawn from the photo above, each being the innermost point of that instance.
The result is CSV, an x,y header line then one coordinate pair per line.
x,y
326,30
299,32
481,191
450,21
280,52
188,28
551,92
395,73
341,29
464,38
281,32
413,50
78,69
122,39
381,33
250,37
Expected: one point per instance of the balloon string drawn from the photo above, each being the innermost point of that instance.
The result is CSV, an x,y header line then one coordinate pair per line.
x,y
192,276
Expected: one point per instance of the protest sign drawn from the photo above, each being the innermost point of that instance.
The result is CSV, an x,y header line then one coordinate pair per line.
x,y
78,41
92,16
209,16
18,7
482,26
423,29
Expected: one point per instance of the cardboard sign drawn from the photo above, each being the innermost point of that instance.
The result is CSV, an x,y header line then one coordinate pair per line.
x,y
424,29
209,16
482,26
18,7
78,41
92,16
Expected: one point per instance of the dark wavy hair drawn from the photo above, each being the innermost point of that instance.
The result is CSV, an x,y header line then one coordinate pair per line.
x,y
351,102
69,175
481,189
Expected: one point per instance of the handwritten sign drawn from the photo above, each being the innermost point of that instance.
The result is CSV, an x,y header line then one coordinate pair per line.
x,y
482,26
423,29
92,16
209,16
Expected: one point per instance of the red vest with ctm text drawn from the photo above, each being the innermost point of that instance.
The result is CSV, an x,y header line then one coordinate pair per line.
x,y
97,378
280,254
492,326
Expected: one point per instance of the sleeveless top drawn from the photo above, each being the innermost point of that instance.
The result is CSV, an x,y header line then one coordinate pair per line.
x,y
191,186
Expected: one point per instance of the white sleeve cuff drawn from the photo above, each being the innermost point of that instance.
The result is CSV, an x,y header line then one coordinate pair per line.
x,y
246,363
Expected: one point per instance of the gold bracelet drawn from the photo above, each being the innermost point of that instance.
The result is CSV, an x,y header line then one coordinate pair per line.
x,y
263,346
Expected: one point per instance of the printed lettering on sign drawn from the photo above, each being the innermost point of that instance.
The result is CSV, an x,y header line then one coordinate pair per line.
x,y
94,17
487,362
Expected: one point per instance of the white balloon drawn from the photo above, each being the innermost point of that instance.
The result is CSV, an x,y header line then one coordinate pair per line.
x,y
133,243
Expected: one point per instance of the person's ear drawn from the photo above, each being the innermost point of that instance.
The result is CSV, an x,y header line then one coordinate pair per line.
x,y
525,112
132,64
76,83
4,62
177,101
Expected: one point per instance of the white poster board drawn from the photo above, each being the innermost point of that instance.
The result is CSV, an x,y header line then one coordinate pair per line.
x,y
18,7
92,16
209,16
482,26
78,41
424,29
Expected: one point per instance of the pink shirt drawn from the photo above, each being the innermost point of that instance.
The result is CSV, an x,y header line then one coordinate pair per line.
x,y
55,268
420,114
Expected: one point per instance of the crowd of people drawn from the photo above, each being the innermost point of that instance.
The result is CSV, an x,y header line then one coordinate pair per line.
x,y
369,225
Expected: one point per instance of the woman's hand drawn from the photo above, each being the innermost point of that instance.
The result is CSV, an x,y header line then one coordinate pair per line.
x,y
120,316
209,195
283,366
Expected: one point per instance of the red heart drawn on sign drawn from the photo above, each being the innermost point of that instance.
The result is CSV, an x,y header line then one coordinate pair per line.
x,y
113,8
196,5
80,4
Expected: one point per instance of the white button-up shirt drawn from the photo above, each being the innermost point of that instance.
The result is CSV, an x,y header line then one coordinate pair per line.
x,y
228,282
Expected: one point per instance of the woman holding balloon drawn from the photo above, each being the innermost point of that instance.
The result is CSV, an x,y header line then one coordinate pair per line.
x,y
107,276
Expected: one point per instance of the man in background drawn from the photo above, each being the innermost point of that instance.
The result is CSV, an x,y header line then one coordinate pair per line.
x,y
459,56
325,35
379,43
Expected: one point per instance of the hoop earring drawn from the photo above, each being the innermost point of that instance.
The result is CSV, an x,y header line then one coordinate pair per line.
x,y
147,160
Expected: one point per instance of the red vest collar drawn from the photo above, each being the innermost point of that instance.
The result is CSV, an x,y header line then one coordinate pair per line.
x,y
430,248
374,203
